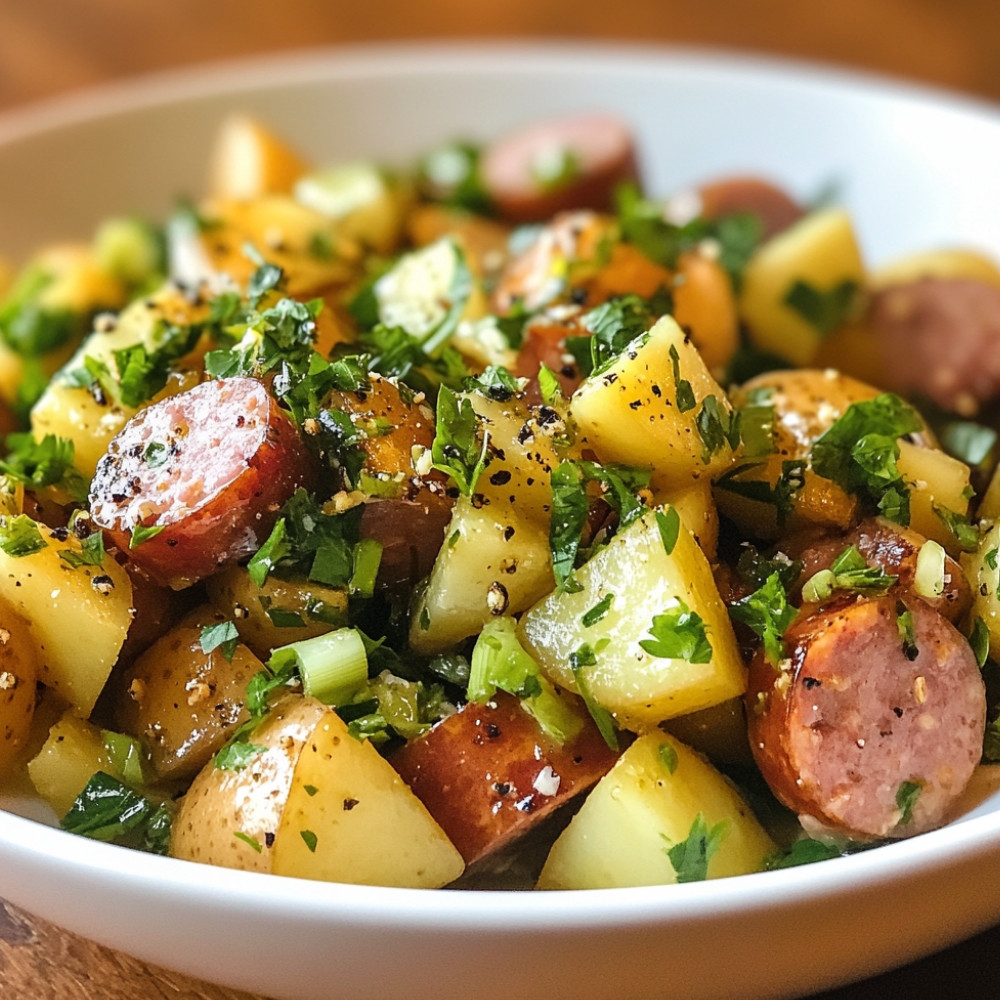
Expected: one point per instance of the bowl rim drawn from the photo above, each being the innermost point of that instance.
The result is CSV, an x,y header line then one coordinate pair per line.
x,y
208,78
963,840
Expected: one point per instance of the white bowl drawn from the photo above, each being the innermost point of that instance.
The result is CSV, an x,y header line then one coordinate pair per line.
x,y
916,168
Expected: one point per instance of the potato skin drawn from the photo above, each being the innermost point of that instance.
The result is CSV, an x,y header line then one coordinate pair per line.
x,y
182,702
222,804
18,674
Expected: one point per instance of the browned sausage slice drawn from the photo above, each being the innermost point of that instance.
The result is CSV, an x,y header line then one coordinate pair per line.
x,y
489,773
860,732
772,205
196,480
941,339
556,165
895,549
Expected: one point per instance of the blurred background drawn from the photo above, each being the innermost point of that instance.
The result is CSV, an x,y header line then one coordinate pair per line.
x,y
51,46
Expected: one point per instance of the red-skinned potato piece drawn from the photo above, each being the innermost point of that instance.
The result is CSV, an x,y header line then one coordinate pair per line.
x,y
545,344
860,731
202,475
559,164
412,507
489,773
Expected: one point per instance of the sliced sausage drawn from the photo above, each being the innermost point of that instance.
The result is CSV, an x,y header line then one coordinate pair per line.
x,y
861,732
895,549
196,481
489,773
555,165
775,208
940,338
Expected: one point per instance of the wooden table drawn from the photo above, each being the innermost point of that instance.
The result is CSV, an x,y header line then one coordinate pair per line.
x,y
49,47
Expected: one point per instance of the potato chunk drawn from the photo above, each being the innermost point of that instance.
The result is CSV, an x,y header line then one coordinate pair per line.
x,y
657,407
315,803
662,644
661,815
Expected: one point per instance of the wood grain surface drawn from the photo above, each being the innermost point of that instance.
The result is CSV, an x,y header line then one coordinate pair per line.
x,y
50,47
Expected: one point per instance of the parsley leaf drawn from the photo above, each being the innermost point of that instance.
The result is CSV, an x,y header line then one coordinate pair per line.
x,y
20,536
805,851
222,636
767,612
906,798
457,450
678,633
691,856
108,810
824,309
859,452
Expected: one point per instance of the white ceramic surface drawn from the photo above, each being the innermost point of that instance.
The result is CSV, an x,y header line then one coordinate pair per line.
x,y
916,169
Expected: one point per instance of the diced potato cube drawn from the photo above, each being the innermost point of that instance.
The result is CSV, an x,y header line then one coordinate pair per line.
x,y
936,480
351,818
620,662
657,407
77,614
492,562
661,815
821,252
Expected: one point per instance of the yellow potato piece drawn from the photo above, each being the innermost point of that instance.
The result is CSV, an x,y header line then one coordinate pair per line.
x,y
492,562
78,616
248,160
351,818
648,803
820,250
636,412
638,688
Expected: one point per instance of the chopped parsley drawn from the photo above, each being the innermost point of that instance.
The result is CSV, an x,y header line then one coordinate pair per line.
x,y
111,811
767,612
668,523
222,636
457,449
979,640
825,310
965,534
691,856
848,572
579,659
907,631
48,462
906,798
678,633
613,326
325,547
668,757
619,484
805,851
20,536
781,495
717,427
598,612
859,452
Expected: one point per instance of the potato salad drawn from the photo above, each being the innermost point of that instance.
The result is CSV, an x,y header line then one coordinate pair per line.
x,y
492,521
